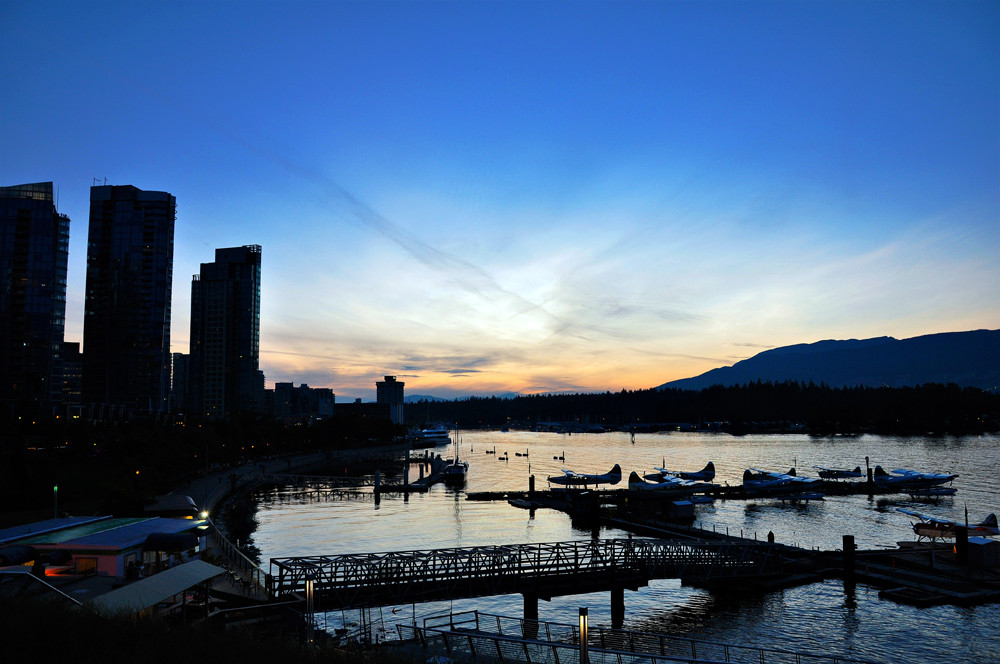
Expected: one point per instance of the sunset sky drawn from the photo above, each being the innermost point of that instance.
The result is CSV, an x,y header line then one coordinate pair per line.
x,y
483,197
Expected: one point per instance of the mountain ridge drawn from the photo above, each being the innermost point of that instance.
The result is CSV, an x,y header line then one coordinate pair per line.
x,y
969,359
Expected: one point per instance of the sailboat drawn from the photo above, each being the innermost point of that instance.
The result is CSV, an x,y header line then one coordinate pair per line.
x,y
456,470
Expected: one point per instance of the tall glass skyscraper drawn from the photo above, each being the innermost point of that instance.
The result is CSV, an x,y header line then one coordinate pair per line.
x,y
224,377
126,324
34,247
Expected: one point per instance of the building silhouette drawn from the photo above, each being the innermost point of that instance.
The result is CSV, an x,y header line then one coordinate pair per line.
x,y
390,393
34,247
180,363
302,404
224,376
72,376
126,323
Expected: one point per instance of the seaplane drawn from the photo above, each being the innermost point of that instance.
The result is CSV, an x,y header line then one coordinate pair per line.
x,y
571,478
905,480
767,483
672,486
706,474
838,474
933,528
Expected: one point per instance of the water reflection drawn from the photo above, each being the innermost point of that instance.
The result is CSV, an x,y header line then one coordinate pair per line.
x,y
826,617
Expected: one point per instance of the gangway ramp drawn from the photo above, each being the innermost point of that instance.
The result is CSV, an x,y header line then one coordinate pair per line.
x,y
540,569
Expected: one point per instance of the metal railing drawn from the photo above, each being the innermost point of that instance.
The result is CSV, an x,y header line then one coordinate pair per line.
x,y
242,566
498,648
454,630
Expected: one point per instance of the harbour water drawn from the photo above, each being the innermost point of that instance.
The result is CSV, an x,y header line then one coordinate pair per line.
x,y
821,617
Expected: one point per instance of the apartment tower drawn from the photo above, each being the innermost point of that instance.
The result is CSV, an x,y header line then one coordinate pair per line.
x,y
390,393
224,377
126,324
34,247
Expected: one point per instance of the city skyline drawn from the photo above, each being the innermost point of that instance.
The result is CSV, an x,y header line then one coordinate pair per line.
x,y
490,197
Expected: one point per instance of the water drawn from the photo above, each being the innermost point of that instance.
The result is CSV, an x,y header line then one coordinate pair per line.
x,y
819,617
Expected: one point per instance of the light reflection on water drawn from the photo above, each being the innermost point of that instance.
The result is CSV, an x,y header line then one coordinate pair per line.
x,y
819,617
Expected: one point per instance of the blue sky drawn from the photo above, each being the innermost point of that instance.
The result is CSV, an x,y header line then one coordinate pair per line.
x,y
486,197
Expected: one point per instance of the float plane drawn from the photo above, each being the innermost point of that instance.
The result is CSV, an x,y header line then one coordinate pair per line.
x,y
669,486
571,478
932,527
706,474
837,474
904,480
766,483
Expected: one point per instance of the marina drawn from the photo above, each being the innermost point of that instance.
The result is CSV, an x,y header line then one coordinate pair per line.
x,y
443,517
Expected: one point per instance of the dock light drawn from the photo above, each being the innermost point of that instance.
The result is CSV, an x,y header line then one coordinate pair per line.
x,y
584,634
55,501
310,598
204,514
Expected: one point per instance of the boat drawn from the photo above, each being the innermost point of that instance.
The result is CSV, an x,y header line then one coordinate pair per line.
x,y
430,436
572,478
672,486
838,474
903,480
764,482
706,474
456,470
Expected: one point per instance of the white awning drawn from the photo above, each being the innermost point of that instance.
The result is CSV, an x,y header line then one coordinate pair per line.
x,y
145,593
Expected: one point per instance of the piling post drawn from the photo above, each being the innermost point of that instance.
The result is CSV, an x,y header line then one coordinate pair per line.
x,y
849,548
531,485
617,607
962,545
378,480
530,606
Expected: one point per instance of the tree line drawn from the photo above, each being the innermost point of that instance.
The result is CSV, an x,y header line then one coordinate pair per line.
x,y
757,406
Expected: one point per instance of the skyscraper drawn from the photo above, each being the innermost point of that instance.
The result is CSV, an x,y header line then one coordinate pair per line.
x,y
34,247
225,335
390,392
126,323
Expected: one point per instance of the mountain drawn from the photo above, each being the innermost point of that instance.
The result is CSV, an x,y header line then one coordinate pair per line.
x,y
970,359
414,398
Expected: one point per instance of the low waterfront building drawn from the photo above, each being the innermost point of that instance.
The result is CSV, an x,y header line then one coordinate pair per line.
x,y
104,546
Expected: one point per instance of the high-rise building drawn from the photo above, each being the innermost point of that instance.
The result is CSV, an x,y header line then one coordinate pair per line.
x,y
179,382
225,335
390,392
126,323
34,247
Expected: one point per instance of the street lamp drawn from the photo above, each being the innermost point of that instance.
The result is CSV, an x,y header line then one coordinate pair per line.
x,y
55,501
584,633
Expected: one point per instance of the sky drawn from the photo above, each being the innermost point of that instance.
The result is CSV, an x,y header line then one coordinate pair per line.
x,y
533,197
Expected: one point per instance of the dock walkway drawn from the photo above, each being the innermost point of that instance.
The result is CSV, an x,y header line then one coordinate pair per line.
x,y
480,636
